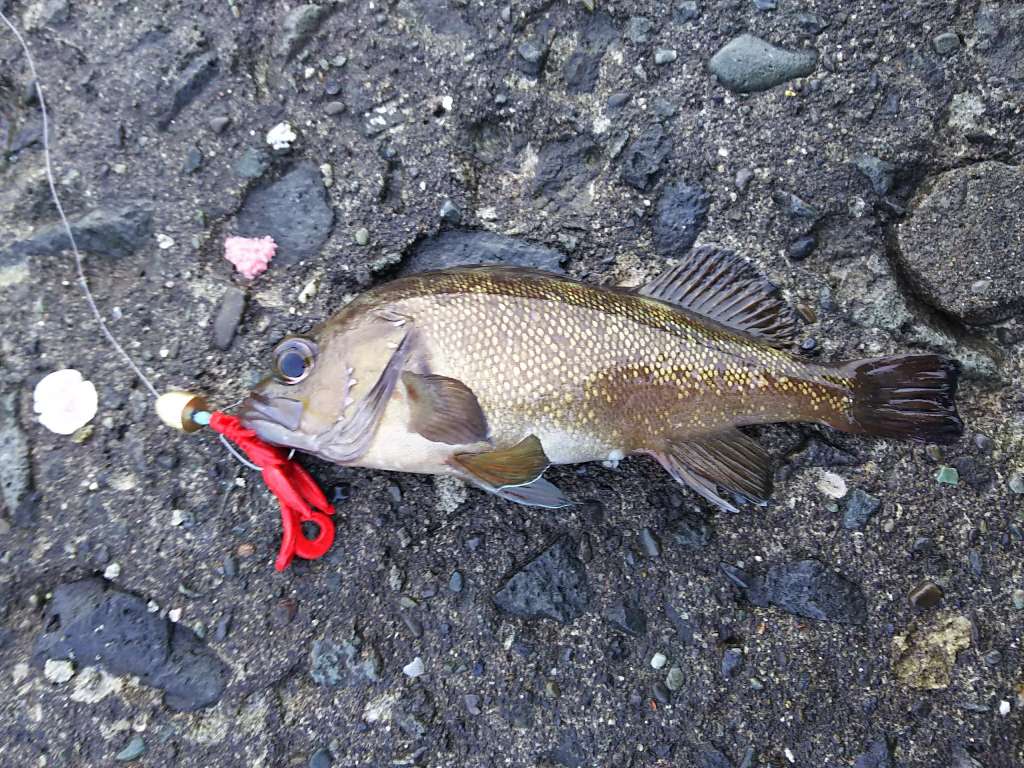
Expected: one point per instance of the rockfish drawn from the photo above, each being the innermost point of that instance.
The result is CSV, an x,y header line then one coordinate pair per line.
x,y
491,374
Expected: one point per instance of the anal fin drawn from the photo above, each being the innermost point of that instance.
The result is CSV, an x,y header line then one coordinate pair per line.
x,y
717,284
727,460
521,464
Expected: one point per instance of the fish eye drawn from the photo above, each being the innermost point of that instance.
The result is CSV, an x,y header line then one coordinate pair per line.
x,y
293,360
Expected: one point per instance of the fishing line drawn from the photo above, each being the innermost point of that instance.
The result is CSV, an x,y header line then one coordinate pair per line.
x,y
300,499
82,281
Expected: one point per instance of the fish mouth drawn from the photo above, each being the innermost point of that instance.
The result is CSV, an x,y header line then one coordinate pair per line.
x,y
274,419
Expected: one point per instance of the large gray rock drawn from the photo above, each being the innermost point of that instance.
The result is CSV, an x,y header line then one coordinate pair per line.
x,y
551,586
293,210
466,248
116,231
93,622
748,63
962,248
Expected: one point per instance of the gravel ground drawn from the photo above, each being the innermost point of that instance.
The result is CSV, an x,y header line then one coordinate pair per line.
x,y
865,155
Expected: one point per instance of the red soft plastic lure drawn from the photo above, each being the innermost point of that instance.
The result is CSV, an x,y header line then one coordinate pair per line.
x,y
301,499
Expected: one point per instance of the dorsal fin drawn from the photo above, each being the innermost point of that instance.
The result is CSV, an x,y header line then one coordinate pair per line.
x,y
716,283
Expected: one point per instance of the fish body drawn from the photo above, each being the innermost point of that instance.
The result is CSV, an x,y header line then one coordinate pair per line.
x,y
491,374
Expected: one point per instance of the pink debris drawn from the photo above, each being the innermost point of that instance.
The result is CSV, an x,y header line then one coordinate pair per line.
x,y
250,255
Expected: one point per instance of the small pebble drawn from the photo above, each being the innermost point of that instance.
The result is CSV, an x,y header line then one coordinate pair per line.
x,y
321,759
661,693
992,658
766,5
802,248
112,571
1018,599
334,107
732,660
658,660
472,703
674,679
665,56
455,582
650,543
58,670
946,43
1016,482
414,668
947,476
133,751
743,178
220,124
450,212
1004,707
362,236
926,595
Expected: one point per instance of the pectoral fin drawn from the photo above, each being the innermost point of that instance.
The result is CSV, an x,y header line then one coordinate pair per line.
x,y
729,460
521,464
444,410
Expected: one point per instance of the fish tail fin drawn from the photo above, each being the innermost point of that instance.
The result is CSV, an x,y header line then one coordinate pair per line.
x,y
911,397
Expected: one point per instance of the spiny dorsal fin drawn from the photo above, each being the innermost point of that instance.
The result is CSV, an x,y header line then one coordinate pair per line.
x,y
521,464
728,459
718,284
444,410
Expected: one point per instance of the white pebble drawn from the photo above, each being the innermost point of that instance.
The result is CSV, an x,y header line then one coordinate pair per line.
x,y
58,670
1004,707
659,660
174,615
832,485
177,517
281,136
112,571
164,242
414,668
789,754
64,401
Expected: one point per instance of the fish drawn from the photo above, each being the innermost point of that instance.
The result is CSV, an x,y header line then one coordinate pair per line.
x,y
491,374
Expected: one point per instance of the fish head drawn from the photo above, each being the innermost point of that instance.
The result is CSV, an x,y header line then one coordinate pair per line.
x,y
314,380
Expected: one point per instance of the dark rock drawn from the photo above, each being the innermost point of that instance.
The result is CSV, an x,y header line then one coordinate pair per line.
x,y
644,157
880,173
553,585
229,315
293,210
818,453
627,617
252,164
709,757
975,473
747,63
569,162
858,508
807,588
450,212
961,758
298,26
15,465
686,11
802,247
618,101
961,246
531,58
691,529
569,752
114,231
584,65
661,693
795,206
193,160
95,623
679,218
732,662
878,755
927,594
456,248
196,76
811,23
